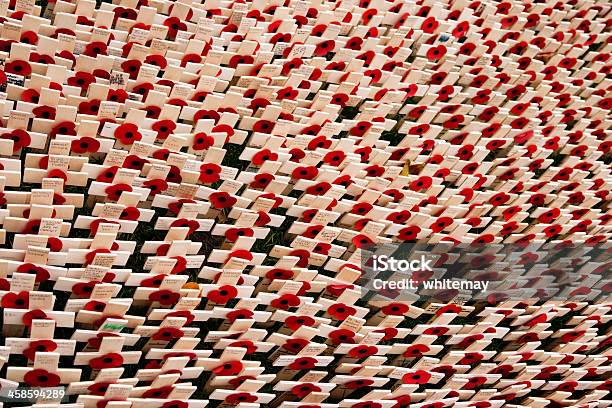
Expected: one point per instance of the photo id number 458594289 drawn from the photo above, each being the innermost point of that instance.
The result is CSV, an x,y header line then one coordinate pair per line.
x,y
32,394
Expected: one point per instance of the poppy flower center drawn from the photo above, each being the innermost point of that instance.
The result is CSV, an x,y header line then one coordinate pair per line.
x,y
43,378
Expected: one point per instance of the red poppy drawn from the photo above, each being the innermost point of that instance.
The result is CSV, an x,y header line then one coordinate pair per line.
x,y
13,300
357,384
362,351
55,244
342,336
89,107
18,67
20,138
222,199
241,397
35,346
240,59
295,322
202,141
161,392
156,186
228,368
164,297
83,290
263,126
176,206
29,37
210,173
294,346
42,274
416,377
85,144
44,112
241,254
109,360
303,363
95,48
263,156
131,67
157,60
117,95
436,53
263,219
167,334
395,309
127,133
261,181
474,382
286,301
340,311
324,47
99,388
114,192
248,344
416,350
239,314
143,89
164,128
40,377
130,213
223,295
340,99
232,234
305,173
33,315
